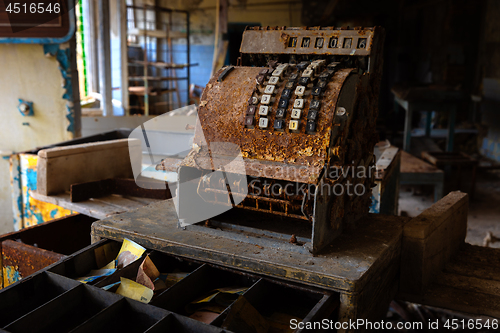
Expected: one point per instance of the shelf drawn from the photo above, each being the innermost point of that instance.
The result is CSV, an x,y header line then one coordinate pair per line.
x,y
155,78
140,91
160,64
156,33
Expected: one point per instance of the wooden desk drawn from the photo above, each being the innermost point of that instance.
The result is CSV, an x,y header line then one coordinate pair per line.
x,y
415,171
428,98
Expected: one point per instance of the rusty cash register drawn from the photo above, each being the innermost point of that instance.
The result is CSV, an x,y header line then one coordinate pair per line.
x,y
299,112
259,205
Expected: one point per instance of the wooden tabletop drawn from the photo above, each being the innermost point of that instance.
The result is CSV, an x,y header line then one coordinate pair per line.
x,y
412,164
355,257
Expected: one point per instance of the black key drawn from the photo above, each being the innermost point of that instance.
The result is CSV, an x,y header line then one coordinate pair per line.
x,y
249,121
260,79
312,115
251,109
303,65
280,113
286,93
316,91
279,124
322,83
283,103
289,85
253,100
272,63
332,65
264,71
303,81
314,105
324,75
310,126
293,77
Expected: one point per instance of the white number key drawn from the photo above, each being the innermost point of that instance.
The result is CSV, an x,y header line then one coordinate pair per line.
x,y
269,89
263,110
266,99
307,73
263,122
294,125
300,90
277,72
296,113
274,80
299,103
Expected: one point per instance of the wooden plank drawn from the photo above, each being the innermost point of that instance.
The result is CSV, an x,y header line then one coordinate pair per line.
x,y
59,168
430,240
429,220
474,270
469,283
412,164
123,187
85,148
459,300
99,209
479,254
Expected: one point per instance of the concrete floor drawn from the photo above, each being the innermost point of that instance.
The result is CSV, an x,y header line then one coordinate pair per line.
x,y
484,209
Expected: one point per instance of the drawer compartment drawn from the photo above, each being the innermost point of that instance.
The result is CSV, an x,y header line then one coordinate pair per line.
x,y
31,293
200,284
64,312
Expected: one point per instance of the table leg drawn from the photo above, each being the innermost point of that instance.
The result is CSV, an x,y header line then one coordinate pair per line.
x,y
473,180
407,134
451,129
428,124
438,191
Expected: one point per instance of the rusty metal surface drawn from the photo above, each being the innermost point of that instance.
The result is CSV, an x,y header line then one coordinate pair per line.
x,y
258,40
279,155
101,188
20,260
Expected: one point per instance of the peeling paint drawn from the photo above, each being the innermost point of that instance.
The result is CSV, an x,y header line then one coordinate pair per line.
x,y
16,191
63,57
11,275
35,211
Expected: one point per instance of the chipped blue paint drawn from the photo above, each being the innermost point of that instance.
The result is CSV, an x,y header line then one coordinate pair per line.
x,y
46,40
71,118
12,274
374,207
16,192
30,105
31,185
53,213
31,177
63,57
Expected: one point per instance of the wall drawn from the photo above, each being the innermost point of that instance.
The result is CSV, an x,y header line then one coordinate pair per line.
x,y
28,73
490,65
